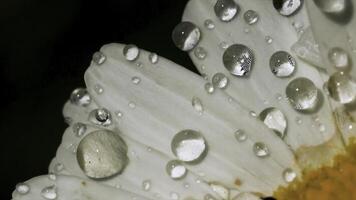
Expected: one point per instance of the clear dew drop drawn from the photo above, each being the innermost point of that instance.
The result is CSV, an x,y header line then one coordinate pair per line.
x,y
153,58
219,80
186,36
132,105
220,189
197,105
331,6
146,185
223,45
238,59
100,116
339,58
52,176
80,97
287,7
240,135
268,39
260,149
176,170
209,88
226,10
200,53
79,129
342,88
98,58
302,94
22,188
282,64
135,80
189,146
275,120
289,175
98,89
251,17
209,24
102,154
131,52
49,192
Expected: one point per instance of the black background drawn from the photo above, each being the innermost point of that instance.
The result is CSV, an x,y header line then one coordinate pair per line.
x,y
45,47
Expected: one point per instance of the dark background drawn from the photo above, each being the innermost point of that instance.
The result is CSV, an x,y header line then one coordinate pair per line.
x,y
45,47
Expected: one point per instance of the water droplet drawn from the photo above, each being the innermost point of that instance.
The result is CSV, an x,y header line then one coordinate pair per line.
x,y
342,88
80,97
226,10
135,80
146,185
22,188
58,167
251,17
176,169
223,45
339,58
219,80
153,58
189,146
100,116
289,175
102,154
209,88
282,64
131,52
174,195
331,6
221,190
52,176
209,24
298,120
119,114
197,105
275,120
253,114
240,135
79,129
200,53
98,89
238,59
186,36
260,149
186,185
49,192
302,94
269,39
246,196
132,105
98,58
287,7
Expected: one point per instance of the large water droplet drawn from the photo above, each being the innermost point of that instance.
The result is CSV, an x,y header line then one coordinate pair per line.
x,y
49,192
287,7
339,58
226,10
219,80
131,52
197,105
282,64
22,188
342,88
79,129
289,175
102,154
99,58
251,17
275,120
238,59
302,94
189,146
176,169
186,36
100,116
260,149
80,97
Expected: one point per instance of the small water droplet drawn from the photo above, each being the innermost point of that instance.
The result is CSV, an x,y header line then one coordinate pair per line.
x,y
240,135
226,10
52,176
131,52
209,24
119,114
219,80
209,88
238,59
287,7
289,175
176,170
275,120
268,39
100,116
153,58
251,17
220,189
260,149
49,192
186,36
102,154
146,185
98,89
342,88
98,58
298,120
282,64
200,53
58,167
80,97
22,188
189,146
339,58
174,196
253,114
186,185
197,105
132,105
302,94
135,80
223,45
79,129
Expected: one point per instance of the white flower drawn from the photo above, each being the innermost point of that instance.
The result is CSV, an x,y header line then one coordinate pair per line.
x,y
146,128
